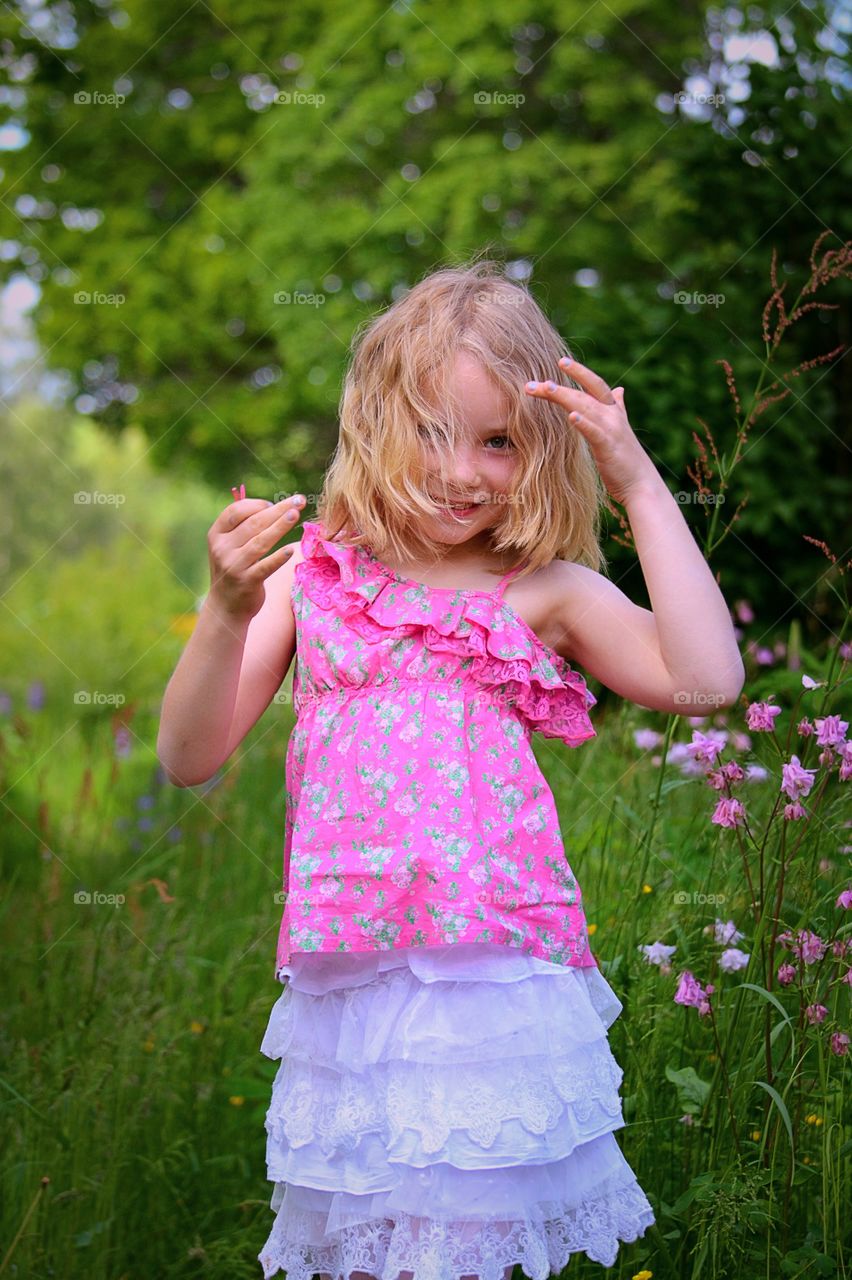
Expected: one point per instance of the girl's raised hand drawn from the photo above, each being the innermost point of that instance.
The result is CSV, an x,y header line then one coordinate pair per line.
x,y
237,542
599,415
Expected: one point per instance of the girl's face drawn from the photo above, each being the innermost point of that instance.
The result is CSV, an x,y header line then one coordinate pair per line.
x,y
479,475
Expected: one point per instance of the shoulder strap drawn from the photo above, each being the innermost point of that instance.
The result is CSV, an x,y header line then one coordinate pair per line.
x,y
501,585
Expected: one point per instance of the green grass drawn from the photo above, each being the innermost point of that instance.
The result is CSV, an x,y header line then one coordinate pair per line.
x,y
132,1075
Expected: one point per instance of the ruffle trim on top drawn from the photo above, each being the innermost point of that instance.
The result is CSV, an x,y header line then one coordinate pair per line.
x,y
552,698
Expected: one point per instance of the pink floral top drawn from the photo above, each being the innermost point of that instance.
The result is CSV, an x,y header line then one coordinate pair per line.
x,y
416,812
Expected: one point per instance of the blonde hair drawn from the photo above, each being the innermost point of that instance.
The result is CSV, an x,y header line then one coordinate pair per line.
x,y
373,492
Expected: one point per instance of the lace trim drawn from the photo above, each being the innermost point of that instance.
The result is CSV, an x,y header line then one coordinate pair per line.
x,y
503,652
577,1094
435,1249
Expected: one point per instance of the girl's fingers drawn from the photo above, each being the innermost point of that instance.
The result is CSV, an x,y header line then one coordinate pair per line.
x,y
592,381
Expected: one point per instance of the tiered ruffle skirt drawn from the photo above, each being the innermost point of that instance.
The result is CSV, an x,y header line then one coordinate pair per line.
x,y
444,1112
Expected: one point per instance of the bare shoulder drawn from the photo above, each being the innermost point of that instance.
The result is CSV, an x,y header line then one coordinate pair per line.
x,y
549,599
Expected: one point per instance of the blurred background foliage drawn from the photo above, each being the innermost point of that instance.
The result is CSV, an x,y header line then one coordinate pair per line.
x,y
408,136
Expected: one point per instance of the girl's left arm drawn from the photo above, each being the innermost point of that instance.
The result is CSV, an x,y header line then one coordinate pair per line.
x,y
684,655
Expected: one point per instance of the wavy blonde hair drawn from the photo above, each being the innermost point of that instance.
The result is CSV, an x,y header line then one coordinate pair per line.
x,y
373,491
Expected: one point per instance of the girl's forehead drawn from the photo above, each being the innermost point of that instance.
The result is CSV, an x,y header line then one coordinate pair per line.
x,y
468,384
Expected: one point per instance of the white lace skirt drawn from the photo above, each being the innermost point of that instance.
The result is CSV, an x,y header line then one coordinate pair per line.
x,y
442,1113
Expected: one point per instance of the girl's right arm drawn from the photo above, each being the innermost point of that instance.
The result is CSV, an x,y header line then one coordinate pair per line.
x,y
242,644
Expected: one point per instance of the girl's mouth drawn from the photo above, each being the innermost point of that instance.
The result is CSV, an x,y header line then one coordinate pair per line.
x,y
460,513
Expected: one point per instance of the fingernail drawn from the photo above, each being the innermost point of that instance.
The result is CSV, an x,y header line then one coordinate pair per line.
x,y
566,360
551,386
533,386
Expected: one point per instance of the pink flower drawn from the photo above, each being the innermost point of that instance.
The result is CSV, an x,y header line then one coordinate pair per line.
x,y
716,779
847,977
690,992
809,683
839,948
646,738
844,751
706,746
839,1042
760,716
743,611
729,813
845,900
740,741
804,728
792,812
786,974
764,657
733,771
795,780
806,946
830,730
816,1013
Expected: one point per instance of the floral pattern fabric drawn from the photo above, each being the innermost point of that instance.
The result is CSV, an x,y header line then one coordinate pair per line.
x,y
416,811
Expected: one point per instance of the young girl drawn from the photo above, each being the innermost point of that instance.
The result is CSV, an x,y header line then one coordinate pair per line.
x,y
447,1101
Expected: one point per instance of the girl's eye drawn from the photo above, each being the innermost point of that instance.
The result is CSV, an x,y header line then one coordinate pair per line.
x,y
508,444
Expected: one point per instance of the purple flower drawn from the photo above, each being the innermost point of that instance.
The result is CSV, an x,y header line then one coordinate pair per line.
x,y
764,657
729,813
816,1013
792,812
786,974
804,728
122,741
646,738
35,695
657,952
689,991
756,773
845,900
733,959
743,611
795,780
760,716
831,731
724,933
